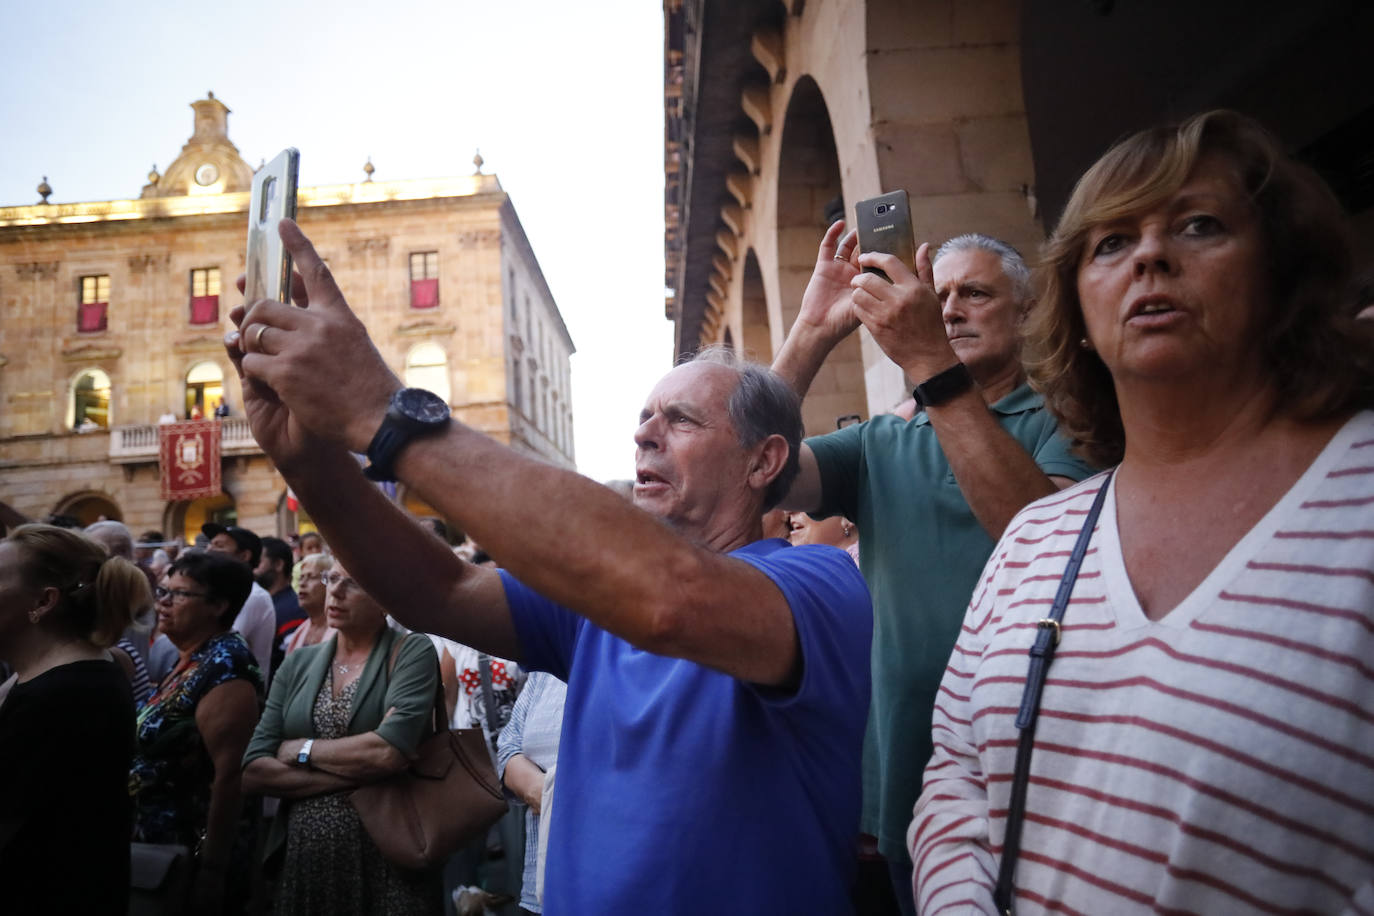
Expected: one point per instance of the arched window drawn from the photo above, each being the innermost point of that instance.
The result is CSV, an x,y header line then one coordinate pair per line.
x,y
204,390
88,407
427,368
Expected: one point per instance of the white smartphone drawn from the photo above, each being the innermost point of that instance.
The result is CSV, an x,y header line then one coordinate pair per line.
x,y
268,265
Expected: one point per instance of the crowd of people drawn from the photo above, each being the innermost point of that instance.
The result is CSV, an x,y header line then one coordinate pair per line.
x,y
1085,628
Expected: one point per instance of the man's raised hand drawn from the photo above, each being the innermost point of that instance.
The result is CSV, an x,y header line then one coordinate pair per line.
x,y
904,316
309,369
827,304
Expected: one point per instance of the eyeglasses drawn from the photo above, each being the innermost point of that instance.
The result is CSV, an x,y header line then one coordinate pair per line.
x,y
334,580
176,594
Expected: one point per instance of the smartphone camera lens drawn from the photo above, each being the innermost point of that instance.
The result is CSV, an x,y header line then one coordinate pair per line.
x,y
881,209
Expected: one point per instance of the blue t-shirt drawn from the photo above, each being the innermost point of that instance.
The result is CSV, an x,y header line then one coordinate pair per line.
x,y
678,785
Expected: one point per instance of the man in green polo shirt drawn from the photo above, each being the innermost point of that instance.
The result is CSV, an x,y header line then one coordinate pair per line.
x,y
930,497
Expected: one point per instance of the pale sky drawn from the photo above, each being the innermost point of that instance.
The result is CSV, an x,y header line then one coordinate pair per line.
x,y
565,101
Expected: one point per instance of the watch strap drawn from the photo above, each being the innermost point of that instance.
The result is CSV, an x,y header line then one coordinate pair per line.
x,y
943,386
398,427
303,758
383,451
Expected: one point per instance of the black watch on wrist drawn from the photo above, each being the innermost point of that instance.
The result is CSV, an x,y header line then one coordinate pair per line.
x,y
943,386
412,412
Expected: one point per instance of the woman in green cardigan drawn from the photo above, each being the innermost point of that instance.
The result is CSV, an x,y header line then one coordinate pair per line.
x,y
348,711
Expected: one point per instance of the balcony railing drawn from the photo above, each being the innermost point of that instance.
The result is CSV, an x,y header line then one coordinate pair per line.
x,y
134,444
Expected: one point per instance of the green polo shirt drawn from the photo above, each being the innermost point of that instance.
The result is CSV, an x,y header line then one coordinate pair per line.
x,y
921,550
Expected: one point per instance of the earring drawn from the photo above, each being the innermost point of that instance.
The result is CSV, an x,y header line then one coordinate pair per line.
x,y
1085,343
33,616
847,528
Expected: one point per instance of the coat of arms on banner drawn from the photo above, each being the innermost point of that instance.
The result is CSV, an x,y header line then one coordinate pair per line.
x,y
188,457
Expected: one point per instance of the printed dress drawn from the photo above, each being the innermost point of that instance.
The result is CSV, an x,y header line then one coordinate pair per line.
x,y
332,866
171,773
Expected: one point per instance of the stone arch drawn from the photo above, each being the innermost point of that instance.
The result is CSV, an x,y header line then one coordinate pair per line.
x,y
88,400
204,388
754,328
183,519
426,366
89,506
809,193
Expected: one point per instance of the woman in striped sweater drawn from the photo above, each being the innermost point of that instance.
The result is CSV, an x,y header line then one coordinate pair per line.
x,y
1205,740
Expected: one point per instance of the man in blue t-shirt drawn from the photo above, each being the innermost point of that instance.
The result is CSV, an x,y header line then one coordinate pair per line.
x,y
717,682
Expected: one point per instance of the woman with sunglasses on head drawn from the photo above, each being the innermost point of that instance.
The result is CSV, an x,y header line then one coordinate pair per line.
x,y
192,732
348,711
66,720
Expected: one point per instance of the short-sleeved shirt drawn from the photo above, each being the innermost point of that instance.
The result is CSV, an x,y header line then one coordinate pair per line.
x,y
921,550
172,771
679,784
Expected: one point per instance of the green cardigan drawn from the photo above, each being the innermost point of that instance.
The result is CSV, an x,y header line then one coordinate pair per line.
x,y
410,688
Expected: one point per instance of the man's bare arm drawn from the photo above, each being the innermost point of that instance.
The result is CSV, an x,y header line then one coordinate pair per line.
x,y
404,567
313,377
996,475
621,568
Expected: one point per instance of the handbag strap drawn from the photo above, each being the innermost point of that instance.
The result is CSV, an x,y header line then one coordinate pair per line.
x,y
1041,654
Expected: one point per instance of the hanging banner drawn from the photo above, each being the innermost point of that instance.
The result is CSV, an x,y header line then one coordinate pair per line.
x,y
188,457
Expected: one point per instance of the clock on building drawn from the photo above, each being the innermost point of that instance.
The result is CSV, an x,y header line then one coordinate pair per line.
x,y
206,174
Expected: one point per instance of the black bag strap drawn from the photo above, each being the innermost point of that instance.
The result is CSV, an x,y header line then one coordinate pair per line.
x,y
1041,654
489,696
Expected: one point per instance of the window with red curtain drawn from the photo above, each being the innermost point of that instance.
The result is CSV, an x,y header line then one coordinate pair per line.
x,y
205,295
424,279
92,312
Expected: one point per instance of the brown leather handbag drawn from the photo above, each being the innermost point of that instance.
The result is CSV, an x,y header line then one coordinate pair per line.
x,y
447,797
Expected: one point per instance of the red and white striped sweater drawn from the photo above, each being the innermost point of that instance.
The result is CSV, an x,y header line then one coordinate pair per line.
x,y
1219,760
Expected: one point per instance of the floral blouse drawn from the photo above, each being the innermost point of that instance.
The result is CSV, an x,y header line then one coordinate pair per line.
x,y
171,773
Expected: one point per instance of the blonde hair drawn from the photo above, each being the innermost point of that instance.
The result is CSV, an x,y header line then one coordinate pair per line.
x,y
100,595
1316,356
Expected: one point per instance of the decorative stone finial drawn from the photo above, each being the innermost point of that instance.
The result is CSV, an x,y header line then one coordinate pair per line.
x,y
368,169
210,93
44,190
153,176
477,161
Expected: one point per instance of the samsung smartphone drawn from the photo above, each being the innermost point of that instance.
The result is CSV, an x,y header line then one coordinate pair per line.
x,y
884,224
268,265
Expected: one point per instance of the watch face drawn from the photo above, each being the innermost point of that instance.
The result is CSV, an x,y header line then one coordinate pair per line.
x,y
206,174
421,405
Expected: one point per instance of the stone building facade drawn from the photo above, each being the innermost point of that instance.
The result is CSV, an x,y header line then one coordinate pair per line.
x,y
114,312
781,114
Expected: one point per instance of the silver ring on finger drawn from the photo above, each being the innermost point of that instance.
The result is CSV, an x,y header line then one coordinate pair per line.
x,y
257,337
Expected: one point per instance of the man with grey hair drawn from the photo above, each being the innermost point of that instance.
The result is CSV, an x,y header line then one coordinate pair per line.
x,y
932,495
717,682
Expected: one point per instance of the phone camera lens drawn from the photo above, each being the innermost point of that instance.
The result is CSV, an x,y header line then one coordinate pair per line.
x,y
880,209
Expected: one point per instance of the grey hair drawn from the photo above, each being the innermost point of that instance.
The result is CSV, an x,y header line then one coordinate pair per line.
x,y
116,537
1013,265
761,405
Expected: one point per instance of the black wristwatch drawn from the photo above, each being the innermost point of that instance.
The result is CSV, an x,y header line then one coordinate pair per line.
x,y
412,412
943,386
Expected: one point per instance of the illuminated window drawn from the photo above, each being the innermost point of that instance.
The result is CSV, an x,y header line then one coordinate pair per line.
x,y
424,279
427,368
204,390
205,295
89,405
92,312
